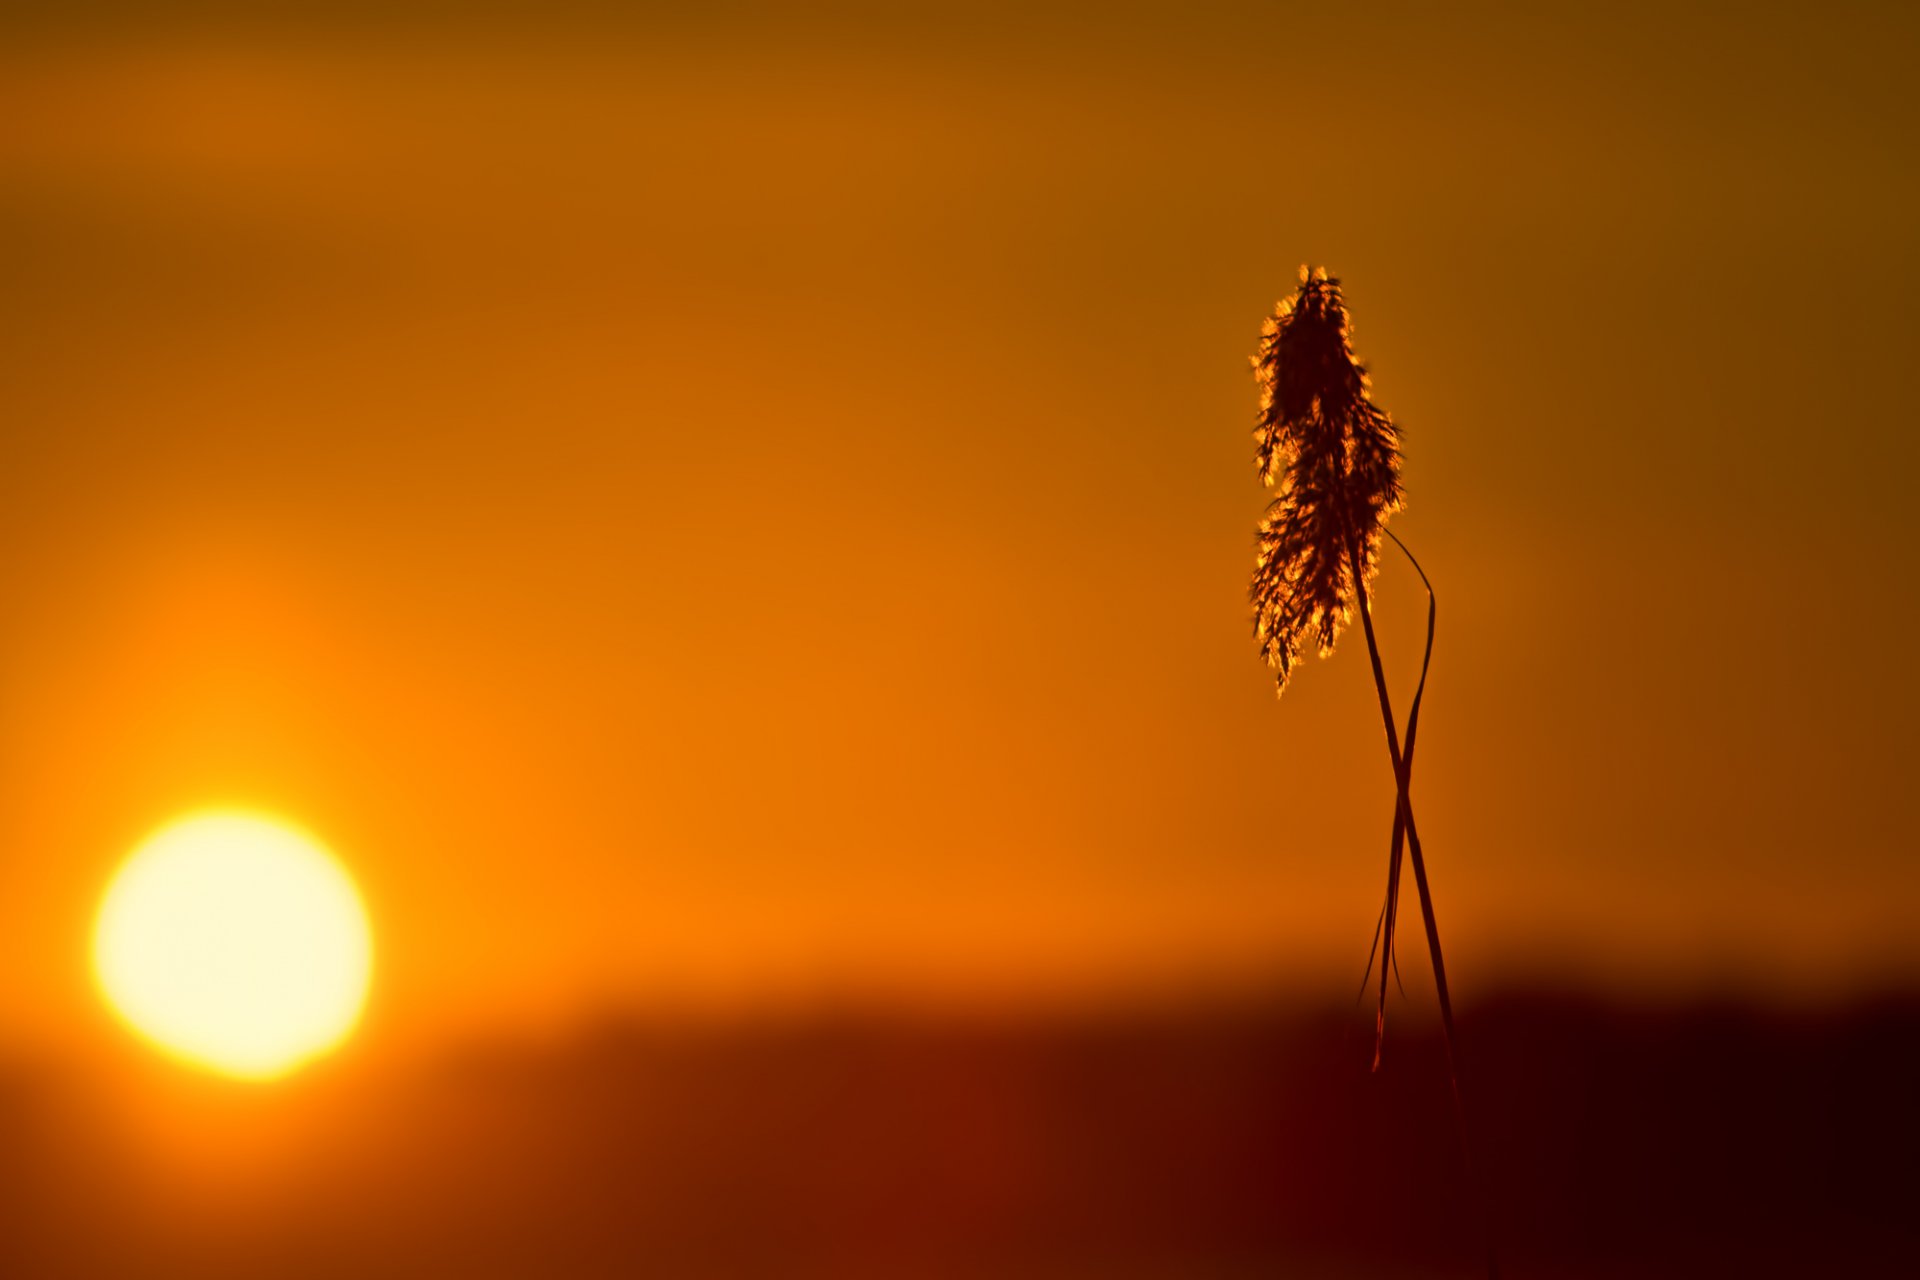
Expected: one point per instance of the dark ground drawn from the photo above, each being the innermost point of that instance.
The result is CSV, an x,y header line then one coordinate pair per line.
x,y
1706,1141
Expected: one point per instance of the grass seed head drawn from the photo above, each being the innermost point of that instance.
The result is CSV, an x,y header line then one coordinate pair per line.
x,y
1335,456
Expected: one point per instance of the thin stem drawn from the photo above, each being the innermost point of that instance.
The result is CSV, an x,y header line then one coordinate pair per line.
x,y
1403,827
1373,953
1390,909
1402,808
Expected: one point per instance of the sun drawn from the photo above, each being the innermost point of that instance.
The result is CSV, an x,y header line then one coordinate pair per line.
x,y
236,942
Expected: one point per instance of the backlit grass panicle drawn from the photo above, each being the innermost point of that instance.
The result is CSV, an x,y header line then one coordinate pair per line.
x,y
1336,457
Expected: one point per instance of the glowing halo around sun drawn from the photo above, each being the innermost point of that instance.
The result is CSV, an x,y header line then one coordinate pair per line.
x,y
235,942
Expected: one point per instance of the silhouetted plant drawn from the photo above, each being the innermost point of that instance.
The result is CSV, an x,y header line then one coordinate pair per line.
x,y
1336,457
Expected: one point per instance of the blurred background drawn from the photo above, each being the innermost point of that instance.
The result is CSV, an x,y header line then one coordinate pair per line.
x,y
734,522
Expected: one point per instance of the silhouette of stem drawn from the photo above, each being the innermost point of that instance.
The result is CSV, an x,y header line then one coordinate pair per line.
x,y
1390,908
1406,835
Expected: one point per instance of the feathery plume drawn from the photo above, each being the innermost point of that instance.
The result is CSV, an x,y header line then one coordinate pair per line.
x,y
1336,457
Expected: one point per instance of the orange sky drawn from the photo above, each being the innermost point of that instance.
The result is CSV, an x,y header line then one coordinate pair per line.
x,y
759,510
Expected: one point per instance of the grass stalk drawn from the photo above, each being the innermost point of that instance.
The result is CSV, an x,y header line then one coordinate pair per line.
x,y
1406,835
1335,456
1390,907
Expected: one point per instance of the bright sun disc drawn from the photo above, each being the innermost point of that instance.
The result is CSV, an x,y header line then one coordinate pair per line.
x,y
235,942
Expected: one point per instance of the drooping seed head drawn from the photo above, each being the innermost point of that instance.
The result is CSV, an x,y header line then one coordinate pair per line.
x,y
1336,458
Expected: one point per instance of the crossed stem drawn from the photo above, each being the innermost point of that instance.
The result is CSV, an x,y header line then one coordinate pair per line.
x,y
1406,837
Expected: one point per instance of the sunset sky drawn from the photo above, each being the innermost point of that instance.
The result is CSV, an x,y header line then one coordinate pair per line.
x,y
753,511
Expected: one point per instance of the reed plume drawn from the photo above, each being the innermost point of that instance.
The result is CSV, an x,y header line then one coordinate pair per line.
x,y
1336,457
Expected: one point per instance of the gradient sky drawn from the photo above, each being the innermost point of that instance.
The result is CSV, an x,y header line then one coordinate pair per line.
x,y
757,509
